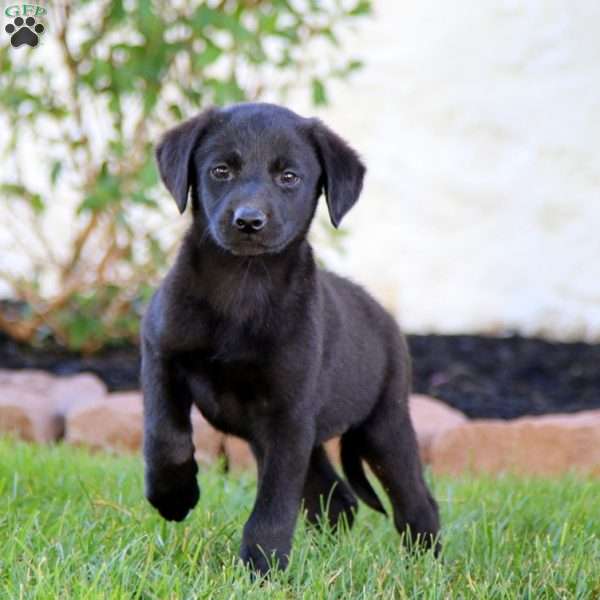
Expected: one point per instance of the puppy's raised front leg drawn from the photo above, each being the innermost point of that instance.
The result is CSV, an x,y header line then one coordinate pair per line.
x,y
170,468
283,453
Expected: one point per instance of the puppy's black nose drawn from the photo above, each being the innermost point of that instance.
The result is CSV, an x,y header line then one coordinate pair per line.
x,y
249,219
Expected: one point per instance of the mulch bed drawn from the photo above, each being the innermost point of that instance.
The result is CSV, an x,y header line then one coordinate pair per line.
x,y
118,367
485,377
507,377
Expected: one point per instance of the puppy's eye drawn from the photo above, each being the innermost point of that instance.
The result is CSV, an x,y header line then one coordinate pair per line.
x,y
221,172
288,178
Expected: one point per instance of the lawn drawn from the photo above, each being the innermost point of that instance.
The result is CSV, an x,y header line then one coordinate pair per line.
x,y
75,525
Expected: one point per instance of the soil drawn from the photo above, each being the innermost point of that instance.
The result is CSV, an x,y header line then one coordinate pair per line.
x,y
507,377
485,377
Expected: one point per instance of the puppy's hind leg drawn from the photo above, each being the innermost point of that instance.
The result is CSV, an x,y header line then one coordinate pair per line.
x,y
326,492
388,443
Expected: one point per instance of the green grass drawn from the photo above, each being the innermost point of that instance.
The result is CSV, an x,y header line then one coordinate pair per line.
x,y
75,525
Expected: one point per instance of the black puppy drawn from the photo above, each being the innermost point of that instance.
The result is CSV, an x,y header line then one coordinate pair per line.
x,y
269,347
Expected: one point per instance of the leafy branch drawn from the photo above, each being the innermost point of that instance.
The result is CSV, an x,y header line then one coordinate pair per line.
x,y
131,69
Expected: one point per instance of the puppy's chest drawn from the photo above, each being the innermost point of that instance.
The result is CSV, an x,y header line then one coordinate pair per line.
x,y
232,345
230,395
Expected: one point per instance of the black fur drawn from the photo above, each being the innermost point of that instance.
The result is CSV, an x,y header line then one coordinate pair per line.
x,y
269,347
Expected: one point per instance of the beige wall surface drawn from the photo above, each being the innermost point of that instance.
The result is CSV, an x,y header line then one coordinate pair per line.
x,y
480,123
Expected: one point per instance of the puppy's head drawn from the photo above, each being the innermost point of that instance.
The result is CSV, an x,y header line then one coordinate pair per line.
x,y
256,172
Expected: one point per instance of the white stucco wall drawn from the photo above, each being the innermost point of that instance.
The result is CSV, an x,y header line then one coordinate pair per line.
x,y
479,122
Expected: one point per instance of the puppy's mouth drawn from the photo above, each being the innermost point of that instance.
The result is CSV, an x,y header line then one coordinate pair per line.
x,y
249,245
247,248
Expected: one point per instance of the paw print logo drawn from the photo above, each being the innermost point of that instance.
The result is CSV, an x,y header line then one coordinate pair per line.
x,y
24,31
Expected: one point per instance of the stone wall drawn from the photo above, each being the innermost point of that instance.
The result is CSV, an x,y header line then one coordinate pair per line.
x,y
36,406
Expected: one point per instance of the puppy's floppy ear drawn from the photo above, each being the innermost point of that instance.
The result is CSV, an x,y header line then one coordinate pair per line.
x,y
174,152
343,171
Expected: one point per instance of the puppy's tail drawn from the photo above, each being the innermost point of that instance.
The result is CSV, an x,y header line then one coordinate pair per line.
x,y
354,471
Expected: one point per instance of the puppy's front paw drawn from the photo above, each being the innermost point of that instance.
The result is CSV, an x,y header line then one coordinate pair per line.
x,y
173,490
261,561
423,527
264,548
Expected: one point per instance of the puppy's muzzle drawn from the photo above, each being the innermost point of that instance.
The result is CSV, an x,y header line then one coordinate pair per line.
x,y
249,219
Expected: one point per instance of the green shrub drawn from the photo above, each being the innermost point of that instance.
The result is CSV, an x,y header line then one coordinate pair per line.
x,y
129,70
